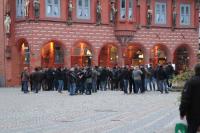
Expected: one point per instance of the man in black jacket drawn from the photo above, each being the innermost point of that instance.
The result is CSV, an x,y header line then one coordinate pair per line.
x,y
190,102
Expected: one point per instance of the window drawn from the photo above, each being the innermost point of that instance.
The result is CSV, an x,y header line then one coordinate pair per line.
x,y
185,14
59,58
20,6
53,8
83,9
26,55
160,14
130,10
122,9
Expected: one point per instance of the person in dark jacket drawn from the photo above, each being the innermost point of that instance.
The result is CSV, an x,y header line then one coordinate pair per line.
x,y
36,80
161,77
25,80
190,102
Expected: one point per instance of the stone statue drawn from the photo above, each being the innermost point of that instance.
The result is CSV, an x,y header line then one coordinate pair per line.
x,y
70,9
7,23
174,14
26,8
149,17
197,4
98,12
36,6
113,12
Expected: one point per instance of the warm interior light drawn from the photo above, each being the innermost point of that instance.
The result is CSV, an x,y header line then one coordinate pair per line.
x,y
82,49
51,45
89,53
141,56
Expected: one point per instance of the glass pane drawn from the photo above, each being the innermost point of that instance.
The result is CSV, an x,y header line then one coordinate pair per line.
x,y
80,12
130,3
187,10
80,3
123,13
49,9
49,2
56,2
163,9
86,13
86,3
182,9
123,4
56,10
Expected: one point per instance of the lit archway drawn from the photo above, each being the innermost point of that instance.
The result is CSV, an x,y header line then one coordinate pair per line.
x,y
23,54
181,57
52,55
81,55
134,55
159,54
108,56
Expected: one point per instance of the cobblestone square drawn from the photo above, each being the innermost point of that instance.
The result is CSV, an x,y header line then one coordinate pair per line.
x,y
102,112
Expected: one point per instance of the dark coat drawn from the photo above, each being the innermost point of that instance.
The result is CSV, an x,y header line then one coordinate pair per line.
x,y
190,100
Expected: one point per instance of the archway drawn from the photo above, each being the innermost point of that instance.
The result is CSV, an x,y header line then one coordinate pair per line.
x,y
52,55
134,55
81,55
159,54
23,54
108,56
181,57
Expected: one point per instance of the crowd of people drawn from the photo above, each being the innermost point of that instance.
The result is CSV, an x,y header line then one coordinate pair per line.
x,y
89,80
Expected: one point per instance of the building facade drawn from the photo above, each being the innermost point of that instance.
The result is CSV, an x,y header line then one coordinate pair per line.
x,y
97,32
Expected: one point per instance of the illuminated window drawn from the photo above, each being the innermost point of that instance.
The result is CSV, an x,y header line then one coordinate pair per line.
x,y
83,9
59,59
20,5
185,14
53,8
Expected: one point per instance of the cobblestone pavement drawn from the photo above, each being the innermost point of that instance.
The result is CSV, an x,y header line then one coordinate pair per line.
x,y
103,112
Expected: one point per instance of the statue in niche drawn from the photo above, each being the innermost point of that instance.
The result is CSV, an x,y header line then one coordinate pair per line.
x,y
7,23
197,4
70,9
174,14
98,12
26,8
149,13
36,6
113,12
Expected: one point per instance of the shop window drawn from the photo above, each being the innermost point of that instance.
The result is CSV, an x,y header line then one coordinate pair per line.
x,y
185,14
160,13
20,4
53,8
122,9
83,9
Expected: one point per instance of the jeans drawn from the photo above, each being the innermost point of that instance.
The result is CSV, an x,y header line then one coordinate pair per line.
x,y
60,85
138,85
125,85
88,88
148,82
72,89
162,86
25,86
94,86
103,85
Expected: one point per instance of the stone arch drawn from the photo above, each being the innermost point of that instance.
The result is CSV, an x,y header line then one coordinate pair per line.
x,y
159,54
134,54
82,53
52,54
182,56
108,55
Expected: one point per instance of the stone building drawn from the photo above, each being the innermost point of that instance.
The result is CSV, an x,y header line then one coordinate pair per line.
x,y
136,32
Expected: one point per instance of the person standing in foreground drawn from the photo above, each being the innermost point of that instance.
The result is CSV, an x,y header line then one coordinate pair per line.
x,y
190,102
25,80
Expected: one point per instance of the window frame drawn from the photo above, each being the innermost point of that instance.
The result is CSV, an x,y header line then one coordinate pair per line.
x,y
161,4
184,5
122,10
20,8
53,6
130,9
85,10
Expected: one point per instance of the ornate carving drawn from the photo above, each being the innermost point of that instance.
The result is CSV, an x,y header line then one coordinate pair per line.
x,y
36,6
26,8
174,15
197,4
70,9
98,13
7,23
149,13
113,12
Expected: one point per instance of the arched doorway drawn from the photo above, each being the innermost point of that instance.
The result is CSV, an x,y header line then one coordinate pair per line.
x,y
23,54
108,56
81,55
52,55
134,55
181,58
159,55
